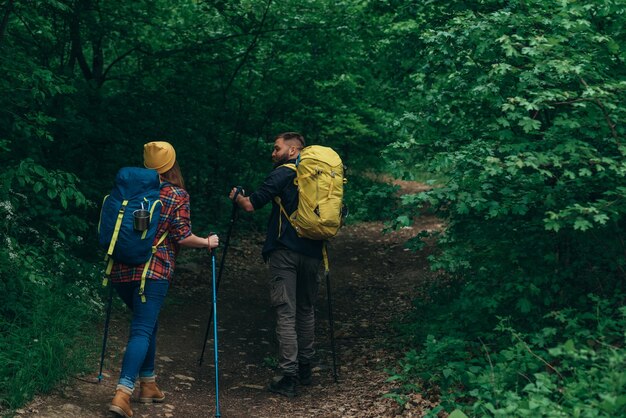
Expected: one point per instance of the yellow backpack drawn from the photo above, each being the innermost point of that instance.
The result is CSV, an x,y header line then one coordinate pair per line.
x,y
320,180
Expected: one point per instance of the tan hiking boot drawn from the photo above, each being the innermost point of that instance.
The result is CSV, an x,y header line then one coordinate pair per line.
x,y
149,391
121,402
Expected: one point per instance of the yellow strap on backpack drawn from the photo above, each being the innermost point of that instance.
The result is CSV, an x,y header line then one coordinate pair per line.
x,y
107,271
325,257
280,218
116,231
147,266
143,236
278,201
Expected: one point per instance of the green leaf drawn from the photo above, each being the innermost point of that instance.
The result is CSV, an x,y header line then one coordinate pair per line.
x,y
529,125
601,218
569,346
524,305
582,224
457,413
403,220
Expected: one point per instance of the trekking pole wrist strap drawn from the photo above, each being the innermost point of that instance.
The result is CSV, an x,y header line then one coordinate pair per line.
x,y
238,191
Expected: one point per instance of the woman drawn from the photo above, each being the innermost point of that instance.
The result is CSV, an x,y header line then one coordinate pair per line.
x,y
141,348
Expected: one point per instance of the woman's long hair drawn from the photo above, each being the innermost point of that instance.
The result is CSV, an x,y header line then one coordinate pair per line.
x,y
174,176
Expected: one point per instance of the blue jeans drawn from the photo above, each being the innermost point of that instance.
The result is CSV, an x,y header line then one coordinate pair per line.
x,y
141,347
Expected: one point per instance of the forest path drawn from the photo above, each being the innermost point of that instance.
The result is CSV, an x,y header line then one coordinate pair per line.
x,y
373,280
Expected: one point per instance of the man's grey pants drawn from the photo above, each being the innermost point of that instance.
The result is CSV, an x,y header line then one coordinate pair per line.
x,y
294,286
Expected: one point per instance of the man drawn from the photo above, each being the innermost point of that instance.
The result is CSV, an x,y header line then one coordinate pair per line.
x,y
294,263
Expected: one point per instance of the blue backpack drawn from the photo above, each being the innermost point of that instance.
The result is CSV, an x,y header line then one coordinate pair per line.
x,y
135,189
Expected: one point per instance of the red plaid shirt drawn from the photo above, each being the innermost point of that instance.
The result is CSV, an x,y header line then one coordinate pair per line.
x,y
174,219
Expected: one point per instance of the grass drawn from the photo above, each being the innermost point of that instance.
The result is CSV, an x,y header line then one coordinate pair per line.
x,y
44,346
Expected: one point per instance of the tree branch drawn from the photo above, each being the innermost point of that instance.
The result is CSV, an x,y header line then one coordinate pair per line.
x,y
248,50
607,117
517,337
116,60
201,46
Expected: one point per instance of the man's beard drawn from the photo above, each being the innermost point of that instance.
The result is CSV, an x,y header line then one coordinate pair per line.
x,y
281,160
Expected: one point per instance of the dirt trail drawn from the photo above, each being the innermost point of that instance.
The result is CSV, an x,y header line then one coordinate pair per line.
x,y
373,281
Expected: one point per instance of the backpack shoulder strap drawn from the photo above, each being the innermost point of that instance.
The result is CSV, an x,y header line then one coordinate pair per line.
x,y
277,199
280,218
116,230
147,265
289,165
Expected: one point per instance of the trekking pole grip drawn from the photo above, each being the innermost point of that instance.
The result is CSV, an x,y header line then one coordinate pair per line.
x,y
211,250
238,191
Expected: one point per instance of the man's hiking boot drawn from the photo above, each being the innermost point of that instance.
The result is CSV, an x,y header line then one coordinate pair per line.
x,y
149,391
286,386
120,404
304,374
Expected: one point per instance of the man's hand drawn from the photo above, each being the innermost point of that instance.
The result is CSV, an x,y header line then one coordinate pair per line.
x,y
237,196
235,193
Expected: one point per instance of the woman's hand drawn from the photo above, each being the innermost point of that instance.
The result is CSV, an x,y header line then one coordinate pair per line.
x,y
213,241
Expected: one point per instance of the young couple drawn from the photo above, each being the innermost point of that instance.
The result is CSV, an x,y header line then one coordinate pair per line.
x,y
293,264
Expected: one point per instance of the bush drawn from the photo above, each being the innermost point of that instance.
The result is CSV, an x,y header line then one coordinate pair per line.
x,y
518,105
48,297
573,368
369,200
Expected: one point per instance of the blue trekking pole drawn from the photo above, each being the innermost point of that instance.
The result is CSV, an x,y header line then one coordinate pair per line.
x,y
217,383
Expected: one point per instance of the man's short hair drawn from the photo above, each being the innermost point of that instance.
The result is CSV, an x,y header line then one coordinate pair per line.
x,y
294,137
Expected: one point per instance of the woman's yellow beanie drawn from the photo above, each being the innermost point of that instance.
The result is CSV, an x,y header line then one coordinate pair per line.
x,y
159,156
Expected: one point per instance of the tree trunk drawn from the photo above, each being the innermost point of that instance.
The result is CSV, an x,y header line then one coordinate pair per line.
x,y
5,20
76,53
97,67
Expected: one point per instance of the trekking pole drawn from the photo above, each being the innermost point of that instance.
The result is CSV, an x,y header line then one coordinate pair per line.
x,y
219,277
330,313
214,312
106,332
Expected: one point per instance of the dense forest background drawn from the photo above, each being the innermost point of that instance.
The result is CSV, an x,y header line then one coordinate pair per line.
x,y
514,108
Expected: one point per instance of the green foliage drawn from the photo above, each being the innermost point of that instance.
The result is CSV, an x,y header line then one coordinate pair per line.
x,y
39,347
369,200
519,106
42,230
573,367
270,362
515,108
